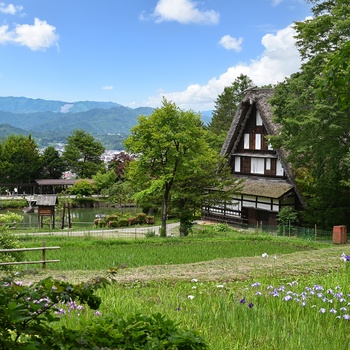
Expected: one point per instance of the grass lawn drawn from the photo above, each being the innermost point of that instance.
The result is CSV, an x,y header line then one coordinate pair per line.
x,y
239,291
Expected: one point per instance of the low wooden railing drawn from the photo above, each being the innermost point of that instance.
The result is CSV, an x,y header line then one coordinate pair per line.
x,y
43,261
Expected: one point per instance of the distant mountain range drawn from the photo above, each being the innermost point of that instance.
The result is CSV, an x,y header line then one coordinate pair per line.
x,y
50,122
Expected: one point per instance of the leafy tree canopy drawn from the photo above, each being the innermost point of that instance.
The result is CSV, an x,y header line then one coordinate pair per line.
x,y
20,159
171,153
119,162
104,179
312,107
83,187
82,154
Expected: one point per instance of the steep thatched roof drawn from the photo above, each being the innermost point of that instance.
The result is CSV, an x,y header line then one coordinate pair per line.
x,y
260,98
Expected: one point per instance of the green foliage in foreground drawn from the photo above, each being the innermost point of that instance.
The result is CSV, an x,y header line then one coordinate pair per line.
x,y
8,241
28,314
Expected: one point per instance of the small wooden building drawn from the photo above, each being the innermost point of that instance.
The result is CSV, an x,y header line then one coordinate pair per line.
x,y
53,186
46,208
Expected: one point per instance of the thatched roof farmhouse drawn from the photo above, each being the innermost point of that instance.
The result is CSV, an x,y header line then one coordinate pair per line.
x,y
269,184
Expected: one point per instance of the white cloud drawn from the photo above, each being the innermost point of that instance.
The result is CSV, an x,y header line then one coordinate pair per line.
x,y
184,11
39,36
5,36
279,60
276,2
10,9
107,87
231,43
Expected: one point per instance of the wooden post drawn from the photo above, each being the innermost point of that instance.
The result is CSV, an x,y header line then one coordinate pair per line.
x,y
63,214
289,228
44,255
69,217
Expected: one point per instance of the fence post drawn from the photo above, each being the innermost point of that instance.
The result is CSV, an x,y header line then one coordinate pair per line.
x,y
315,232
44,255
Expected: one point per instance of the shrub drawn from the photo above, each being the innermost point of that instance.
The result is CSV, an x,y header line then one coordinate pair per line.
x,y
150,234
27,312
132,221
113,217
221,228
141,218
8,241
13,203
123,222
113,224
100,222
133,332
150,220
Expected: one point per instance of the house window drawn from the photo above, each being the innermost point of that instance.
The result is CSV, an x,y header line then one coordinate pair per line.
x,y
257,141
237,164
246,141
268,164
257,165
258,119
279,168
269,147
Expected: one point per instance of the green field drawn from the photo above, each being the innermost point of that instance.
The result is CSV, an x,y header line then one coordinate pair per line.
x,y
101,254
239,291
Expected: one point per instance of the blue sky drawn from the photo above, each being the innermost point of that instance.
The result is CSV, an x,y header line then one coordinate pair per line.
x,y
134,52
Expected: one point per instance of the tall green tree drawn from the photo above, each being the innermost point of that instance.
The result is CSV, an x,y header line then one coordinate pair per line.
x,y
20,160
104,180
83,187
172,152
225,109
335,78
52,164
82,154
315,126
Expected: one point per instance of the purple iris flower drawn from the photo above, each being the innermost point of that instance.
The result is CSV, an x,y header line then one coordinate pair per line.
x,y
242,301
250,305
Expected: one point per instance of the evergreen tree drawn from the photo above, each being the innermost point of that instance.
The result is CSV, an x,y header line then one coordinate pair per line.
x,y
82,154
52,164
225,109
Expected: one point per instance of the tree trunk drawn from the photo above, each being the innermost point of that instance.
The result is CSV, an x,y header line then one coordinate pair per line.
x,y
163,232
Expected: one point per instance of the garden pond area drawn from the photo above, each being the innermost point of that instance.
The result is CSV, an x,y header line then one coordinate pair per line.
x,y
82,217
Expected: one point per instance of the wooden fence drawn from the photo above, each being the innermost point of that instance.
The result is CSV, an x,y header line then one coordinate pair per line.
x,y
43,261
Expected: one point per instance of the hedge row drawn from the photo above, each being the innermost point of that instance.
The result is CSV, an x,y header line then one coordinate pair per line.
x,y
113,221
